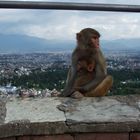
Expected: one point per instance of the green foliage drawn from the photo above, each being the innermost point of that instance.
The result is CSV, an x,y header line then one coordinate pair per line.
x,y
125,82
52,78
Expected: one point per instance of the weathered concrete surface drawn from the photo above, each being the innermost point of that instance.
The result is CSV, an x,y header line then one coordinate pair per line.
x,y
67,115
34,110
33,116
2,110
104,109
104,114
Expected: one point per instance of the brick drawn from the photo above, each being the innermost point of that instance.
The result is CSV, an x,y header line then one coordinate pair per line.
x,y
135,136
102,136
51,137
10,138
23,138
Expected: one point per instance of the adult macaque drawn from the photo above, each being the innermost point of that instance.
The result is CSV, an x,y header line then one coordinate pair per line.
x,y
88,40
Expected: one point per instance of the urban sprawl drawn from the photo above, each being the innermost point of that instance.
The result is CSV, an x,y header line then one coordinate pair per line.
x,y
24,64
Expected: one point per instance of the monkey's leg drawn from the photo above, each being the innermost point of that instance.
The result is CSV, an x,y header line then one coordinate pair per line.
x,y
102,89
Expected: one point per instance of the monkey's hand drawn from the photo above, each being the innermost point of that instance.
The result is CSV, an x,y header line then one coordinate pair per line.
x,y
80,89
66,93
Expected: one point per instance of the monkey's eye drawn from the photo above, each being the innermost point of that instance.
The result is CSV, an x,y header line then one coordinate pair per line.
x,y
95,37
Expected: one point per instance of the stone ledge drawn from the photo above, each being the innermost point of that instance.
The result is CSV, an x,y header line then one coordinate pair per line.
x,y
2,110
53,115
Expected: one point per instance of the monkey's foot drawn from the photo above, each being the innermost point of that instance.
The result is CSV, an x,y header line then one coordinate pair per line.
x,y
104,86
77,95
102,89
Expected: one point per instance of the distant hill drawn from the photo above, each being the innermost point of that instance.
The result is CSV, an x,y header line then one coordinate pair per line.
x,y
122,44
27,44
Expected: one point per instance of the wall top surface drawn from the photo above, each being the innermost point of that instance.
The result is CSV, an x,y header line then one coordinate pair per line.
x,y
36,116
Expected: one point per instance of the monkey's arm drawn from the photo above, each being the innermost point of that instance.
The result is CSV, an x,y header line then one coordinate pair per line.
x,y
68,90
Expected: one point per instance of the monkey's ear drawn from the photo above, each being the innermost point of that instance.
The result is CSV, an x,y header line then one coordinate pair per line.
x,y
78,36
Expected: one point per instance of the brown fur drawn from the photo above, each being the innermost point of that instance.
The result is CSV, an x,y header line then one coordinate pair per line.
x,y
89,83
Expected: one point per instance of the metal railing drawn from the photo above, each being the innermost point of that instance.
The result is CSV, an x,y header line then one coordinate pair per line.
x,y
69,6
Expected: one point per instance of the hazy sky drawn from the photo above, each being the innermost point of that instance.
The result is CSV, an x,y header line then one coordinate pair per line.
x,y
63,25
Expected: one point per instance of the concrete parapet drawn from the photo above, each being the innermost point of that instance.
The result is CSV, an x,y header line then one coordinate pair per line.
x,y
2,110
72,117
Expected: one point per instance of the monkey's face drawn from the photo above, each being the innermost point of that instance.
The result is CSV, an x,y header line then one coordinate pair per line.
x,y
88,39
84,65
95,41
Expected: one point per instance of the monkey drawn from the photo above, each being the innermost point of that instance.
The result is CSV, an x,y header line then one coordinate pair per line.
x,y
85,69
86,72
88,38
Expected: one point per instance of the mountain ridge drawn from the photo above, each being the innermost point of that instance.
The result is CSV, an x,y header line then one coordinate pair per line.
x,y
28,44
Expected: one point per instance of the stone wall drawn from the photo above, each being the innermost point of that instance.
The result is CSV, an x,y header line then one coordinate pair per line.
x,y
2,110
100,118
84,136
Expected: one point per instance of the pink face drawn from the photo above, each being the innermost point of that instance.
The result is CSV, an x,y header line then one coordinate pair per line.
x,y
95,41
